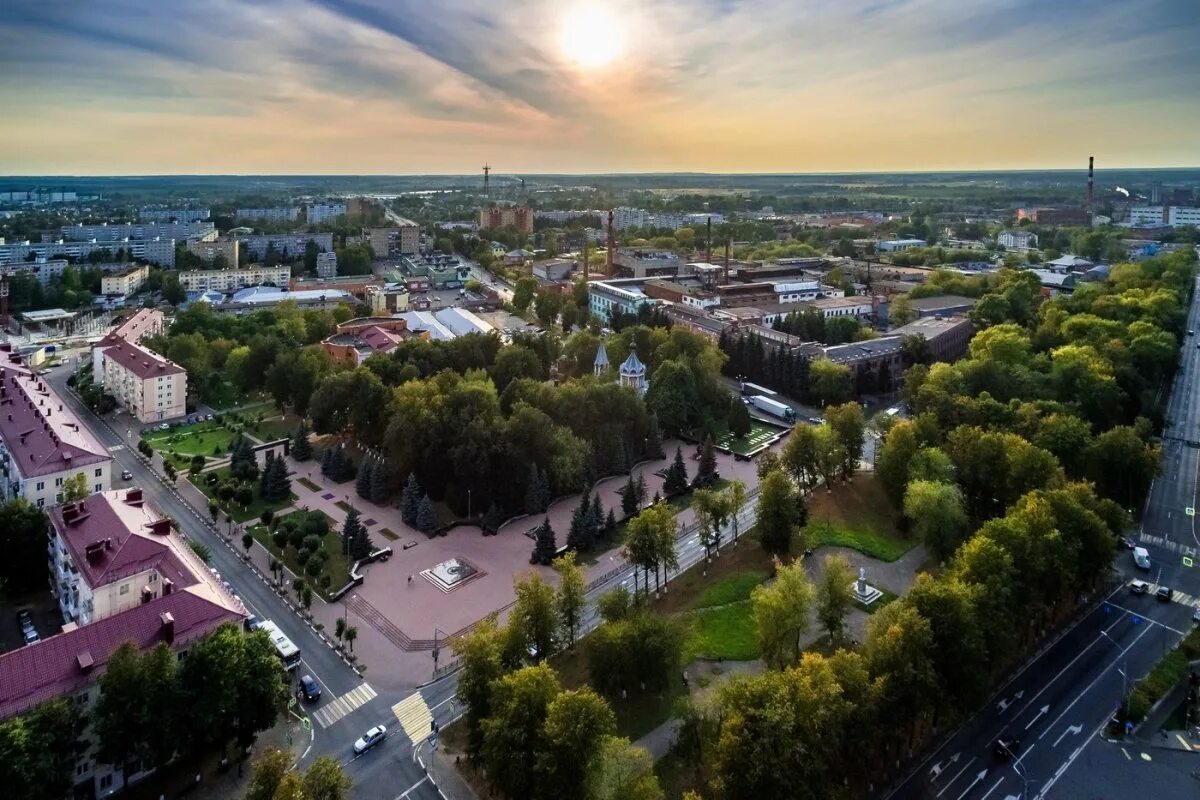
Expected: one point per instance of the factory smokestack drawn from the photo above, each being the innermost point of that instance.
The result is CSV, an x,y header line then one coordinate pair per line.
x,y
708,242
1091,173
728,242
608,259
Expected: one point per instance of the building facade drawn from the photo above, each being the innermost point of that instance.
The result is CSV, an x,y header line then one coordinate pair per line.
x,y
276,214
158,251
183,216
619,296
327,265
104,232
323,212
42,443
519,217
287,245
126,282
208,251
230,280
1017,240
145,384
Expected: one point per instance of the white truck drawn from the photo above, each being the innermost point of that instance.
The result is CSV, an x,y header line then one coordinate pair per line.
x,y
772,407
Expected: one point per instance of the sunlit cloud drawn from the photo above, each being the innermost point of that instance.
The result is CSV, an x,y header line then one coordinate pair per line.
x,y
408,86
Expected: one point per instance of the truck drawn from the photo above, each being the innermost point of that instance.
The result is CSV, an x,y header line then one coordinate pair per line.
x,y
749,388
772,407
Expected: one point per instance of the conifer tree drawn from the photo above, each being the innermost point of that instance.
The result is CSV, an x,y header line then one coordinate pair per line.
x,y
426,519
410,500
362,485
380,476
301,447
544,545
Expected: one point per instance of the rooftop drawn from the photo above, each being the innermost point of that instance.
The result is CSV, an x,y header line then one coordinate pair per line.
x,y
856,351
929,327
42,435
137,359
147,320
942,301
266,295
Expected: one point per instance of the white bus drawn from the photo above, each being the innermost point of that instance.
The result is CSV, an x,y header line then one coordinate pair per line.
x,y
288,653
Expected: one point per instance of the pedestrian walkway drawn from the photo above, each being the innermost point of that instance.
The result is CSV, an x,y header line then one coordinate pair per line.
x,y
414,716
328,714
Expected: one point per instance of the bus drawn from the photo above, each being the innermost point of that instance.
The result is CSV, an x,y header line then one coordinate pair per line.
x,y
288,653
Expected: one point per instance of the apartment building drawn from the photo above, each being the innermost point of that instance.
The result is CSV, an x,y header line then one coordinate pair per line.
x,y
104,232
323,212
160,251
146,322
276,214
1183,215
898,245
42,443
1017,240
208,251
118,555
42,269
230,280
126,282
327,265
287,245
148,386
519,217
184,216
620,296
408,237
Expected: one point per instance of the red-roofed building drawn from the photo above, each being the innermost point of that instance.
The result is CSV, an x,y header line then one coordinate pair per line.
x,y
147,385
358,339
42,444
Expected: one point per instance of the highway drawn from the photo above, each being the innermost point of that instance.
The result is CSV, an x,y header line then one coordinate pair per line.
x,y
1059,704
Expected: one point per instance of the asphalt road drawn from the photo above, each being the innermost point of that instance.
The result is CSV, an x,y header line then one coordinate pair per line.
x,y
1060,703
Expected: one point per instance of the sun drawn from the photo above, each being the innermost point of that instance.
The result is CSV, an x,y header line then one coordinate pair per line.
x,y
590,37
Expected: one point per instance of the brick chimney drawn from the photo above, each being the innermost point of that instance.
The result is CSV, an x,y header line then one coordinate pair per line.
x,y
167,627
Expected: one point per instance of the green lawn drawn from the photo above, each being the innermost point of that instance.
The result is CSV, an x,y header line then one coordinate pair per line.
x,y
200,439
270,430
337,566
726,632
855,515
389,534
732,588
306,483
252,511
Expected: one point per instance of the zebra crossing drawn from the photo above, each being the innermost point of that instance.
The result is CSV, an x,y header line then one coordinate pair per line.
x,y
1167,544
331,712
414,716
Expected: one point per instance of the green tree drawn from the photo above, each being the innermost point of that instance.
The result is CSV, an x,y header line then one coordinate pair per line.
x,y
23,529
267,771
739,421
479,657
535,615
571,595
515,362
514,732
410,500
324,780
736,497
781,615
676,479
121,716
847,423
1122,465
936,515
426,519
75,488
901,311
895,455
544,544
576,723
621,771
712,510
301,448
706,471
523,293
835,596
779,513
829,383
38,750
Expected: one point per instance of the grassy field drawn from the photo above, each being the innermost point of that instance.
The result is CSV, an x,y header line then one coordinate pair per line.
x,y
306,483
239,514
389,534
856,515
270,430
200,439
337,566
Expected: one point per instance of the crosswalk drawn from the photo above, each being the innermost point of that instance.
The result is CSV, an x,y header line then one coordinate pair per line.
x,y
414,716
1174,547
331,712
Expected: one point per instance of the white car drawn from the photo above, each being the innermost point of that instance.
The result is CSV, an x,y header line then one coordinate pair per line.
x,y
370,739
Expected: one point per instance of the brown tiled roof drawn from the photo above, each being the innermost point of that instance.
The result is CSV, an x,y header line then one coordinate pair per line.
x,y
71,660
137,359
41,434
137,326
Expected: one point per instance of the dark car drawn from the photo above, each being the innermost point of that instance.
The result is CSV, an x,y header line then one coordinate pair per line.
x,y
310,689
1126,542
1164,594
126,475
1006,747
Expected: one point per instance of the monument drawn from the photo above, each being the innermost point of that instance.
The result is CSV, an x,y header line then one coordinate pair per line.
x,y
450,574
864,592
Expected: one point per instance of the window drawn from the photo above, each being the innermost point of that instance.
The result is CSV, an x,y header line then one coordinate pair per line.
x,y
106,782
99,472
124,588
99,487
41,485
153,577
58,481
41,502
80,769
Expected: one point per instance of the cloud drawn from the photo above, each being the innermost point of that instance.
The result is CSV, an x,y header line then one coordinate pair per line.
x,y
769,85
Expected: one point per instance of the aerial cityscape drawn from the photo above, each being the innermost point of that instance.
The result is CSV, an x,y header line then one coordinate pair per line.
x,y
707,401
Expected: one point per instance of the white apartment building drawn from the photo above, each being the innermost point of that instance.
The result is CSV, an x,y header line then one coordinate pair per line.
x,y
1146,215
42,444
230,280
898,245
105,232
126,282
157,251
321,212
1017,240
181,215
277,214
43,269
1183,215
626,217
326,265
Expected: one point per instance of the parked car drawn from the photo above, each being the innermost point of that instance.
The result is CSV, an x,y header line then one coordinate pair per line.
x,y
310,688
31,636
1127,543
208,417
1164,594
370,739
164,427
1139,587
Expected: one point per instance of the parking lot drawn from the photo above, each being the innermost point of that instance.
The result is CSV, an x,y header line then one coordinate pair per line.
x,y
43,609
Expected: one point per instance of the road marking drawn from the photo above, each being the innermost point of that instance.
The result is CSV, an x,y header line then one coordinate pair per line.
x,y
1027,752
1088,688
1153,622
116,447
1041,713
995,785
414,716
936,770
1183,742
978,779
1074,730
410,789
341,706
957,775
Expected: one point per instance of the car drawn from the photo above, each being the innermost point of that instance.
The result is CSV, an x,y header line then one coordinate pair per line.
x,y
370,739
126,475
1164,594
1191,332
1006,747
1139,587
1141,558
31,636
164,427
1127,542
24,618
208,417
310,688
815,420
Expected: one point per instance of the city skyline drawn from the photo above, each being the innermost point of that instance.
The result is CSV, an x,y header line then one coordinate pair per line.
x,y
312,87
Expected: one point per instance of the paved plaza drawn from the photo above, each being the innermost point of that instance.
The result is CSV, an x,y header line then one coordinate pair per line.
x,y
399,620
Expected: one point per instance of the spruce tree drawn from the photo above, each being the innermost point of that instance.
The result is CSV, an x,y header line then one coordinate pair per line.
x,y
301,447
281,484
654,444
492,520
544,496
708,462
596,516
629,503
544,546
327,462
579,537
361,546
533,491
610,521
639,488
380,476
410,500
352,530
362,485
676,477
426,516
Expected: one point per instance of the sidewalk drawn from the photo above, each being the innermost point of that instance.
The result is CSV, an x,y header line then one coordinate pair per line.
x,y
444,775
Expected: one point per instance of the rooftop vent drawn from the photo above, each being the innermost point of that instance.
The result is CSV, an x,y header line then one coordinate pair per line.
x,y
84,660
167,623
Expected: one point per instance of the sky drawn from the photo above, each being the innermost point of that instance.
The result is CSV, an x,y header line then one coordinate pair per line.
x,y
581,86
